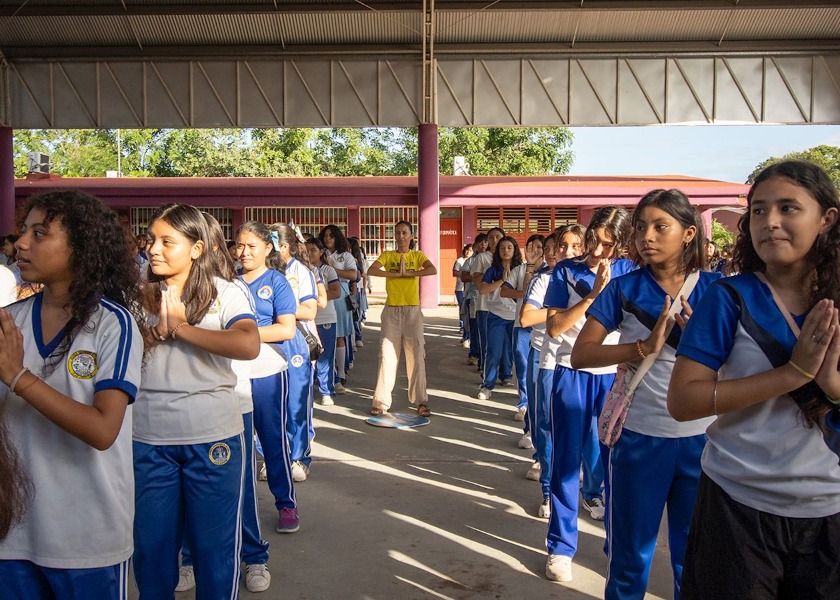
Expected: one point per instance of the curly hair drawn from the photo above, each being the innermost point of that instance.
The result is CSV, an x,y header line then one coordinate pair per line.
x,y
341,243
824,255
101,259
678,206
517,253
17,487
200,290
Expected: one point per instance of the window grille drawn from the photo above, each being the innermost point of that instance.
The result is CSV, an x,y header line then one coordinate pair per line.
x,y
311,220
377,227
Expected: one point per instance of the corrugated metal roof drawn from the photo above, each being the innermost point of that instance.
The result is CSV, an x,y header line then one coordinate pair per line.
x,y
462,26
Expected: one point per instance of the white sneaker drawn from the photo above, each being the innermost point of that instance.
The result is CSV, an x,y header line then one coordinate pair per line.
x,y
545,509
339,389
186,579
520,413
534,472
506,382
484,394
558,568
299,471
465,344
327,400
263,476
350,365
596,508
525,442
359,343
257,578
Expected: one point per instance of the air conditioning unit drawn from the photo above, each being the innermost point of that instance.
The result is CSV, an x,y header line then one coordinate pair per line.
x,y
39,163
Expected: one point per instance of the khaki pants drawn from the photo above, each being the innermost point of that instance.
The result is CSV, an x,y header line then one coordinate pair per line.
x,y
402,330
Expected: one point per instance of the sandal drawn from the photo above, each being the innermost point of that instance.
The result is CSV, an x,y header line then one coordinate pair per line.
x,y
376,412
423,411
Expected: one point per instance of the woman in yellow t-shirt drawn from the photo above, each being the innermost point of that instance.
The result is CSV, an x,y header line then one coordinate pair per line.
x,y
402,321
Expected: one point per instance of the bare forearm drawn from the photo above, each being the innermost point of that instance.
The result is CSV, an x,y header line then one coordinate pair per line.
x,y
231,343
532,317
692,394
560,320
96,427
590,355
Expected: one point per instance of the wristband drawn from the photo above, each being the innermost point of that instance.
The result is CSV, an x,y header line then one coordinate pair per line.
x,y
175,330
714,399
801,370
16,378
834,401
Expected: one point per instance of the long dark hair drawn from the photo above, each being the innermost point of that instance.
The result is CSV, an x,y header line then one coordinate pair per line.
x,y
616,221
678,206
517,254
218,246
200,290
287,235
101,259
825,256
341,243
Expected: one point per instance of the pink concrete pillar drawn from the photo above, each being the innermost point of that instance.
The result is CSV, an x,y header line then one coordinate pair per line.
x,y
7,183
428,207
468,224
586,213
354,225
706,216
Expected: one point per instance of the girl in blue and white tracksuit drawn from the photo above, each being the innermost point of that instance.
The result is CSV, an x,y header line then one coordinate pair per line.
x,y
292,260
70,365
656,461
275,308
189,459
325,320
498,354
344,264
767,518
578,395
514,288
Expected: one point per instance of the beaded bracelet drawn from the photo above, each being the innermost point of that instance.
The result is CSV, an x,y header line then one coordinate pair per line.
x,y
639,349
175,330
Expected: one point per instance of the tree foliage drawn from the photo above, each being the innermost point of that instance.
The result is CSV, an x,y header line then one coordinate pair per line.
x,y
827,157
291,152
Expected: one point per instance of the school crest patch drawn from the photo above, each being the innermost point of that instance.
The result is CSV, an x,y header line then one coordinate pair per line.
x,y
293,282
297,360
265,292
215,307
219,453
82,364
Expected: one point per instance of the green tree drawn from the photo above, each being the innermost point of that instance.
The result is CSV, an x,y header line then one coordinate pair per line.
x,y
507,151
721,236
827,157
291,152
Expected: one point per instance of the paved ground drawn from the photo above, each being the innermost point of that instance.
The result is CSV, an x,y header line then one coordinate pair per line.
x,y
442,511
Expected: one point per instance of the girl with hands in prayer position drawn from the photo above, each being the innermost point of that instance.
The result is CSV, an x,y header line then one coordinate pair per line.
x,y
761,352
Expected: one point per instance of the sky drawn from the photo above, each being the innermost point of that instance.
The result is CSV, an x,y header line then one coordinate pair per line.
x,y
723,152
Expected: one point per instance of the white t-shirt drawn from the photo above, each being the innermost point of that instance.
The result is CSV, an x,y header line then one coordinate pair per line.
x,y
327,314
456,268
8,286
187,394
81,515
515,281
480,263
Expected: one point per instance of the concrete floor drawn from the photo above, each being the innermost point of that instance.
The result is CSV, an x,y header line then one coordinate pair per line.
x,y
442,511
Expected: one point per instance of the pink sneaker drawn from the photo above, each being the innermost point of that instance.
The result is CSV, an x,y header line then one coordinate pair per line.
x,y
288,522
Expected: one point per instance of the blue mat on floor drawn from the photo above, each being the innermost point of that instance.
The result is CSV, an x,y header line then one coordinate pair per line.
x,y
397,421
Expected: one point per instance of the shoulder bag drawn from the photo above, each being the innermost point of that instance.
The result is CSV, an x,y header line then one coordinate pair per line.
x,y
620,396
